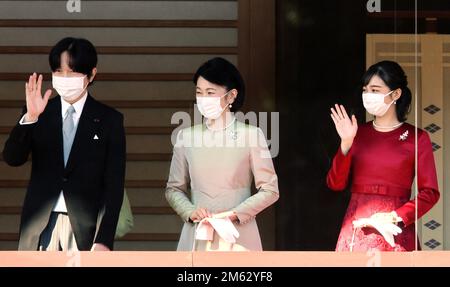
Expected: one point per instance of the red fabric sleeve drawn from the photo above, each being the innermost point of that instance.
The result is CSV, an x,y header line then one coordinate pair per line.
x,y
428,191
337,177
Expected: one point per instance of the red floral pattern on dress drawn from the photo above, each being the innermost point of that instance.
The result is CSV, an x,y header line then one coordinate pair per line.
x,y
364,206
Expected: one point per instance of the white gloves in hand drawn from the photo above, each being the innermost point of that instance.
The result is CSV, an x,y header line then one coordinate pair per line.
x,y
384,223
221,223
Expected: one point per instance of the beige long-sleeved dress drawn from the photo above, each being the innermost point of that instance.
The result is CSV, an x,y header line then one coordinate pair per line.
x,y
218,168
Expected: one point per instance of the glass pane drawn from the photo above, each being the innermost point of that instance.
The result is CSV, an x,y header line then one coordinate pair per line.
x,y
324,49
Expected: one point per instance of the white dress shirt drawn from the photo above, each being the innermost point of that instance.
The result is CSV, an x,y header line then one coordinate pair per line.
x,y
60,205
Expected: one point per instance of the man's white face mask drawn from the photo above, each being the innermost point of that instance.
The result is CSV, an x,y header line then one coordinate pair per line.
x,y
69,88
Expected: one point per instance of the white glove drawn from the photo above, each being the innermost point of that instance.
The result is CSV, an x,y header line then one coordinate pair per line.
x,y
221,223
225,228
386,229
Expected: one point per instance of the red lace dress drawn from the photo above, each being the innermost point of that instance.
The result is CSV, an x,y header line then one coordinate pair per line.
x,y
381,168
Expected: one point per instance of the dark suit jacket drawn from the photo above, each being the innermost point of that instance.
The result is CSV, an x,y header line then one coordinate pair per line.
x,y
92,181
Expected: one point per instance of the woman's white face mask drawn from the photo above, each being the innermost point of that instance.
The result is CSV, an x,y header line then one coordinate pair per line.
x,y
374,103
210,107
69,88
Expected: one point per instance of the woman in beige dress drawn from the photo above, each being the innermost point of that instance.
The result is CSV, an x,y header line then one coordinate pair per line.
x,y
214,164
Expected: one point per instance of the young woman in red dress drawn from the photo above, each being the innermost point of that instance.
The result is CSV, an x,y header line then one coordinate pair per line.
x,y
378,160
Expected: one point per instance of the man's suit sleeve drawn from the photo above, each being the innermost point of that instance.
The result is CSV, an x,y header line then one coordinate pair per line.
x,y
18,146
114,178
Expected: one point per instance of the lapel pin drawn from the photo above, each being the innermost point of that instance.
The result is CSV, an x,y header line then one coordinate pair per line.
x,y
95,137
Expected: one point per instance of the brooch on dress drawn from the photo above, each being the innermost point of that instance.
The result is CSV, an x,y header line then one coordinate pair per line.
x,y
234,135
404,136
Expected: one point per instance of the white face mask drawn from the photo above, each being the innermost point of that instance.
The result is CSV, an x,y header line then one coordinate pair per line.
x,y
374,103
210,107
69,88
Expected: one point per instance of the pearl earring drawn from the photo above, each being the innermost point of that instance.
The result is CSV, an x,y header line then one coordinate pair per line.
x,y
230,106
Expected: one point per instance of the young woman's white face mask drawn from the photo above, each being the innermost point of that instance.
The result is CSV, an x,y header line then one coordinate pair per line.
x,y
374,103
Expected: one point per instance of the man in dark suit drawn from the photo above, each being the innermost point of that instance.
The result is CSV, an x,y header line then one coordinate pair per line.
x,y
77,146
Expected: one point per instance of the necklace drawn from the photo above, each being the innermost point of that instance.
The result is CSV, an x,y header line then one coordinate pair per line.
x,y
219,129
386,128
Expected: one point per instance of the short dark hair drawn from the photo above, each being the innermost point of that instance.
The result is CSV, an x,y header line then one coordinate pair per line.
x,y
82,55
223,73
394,77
